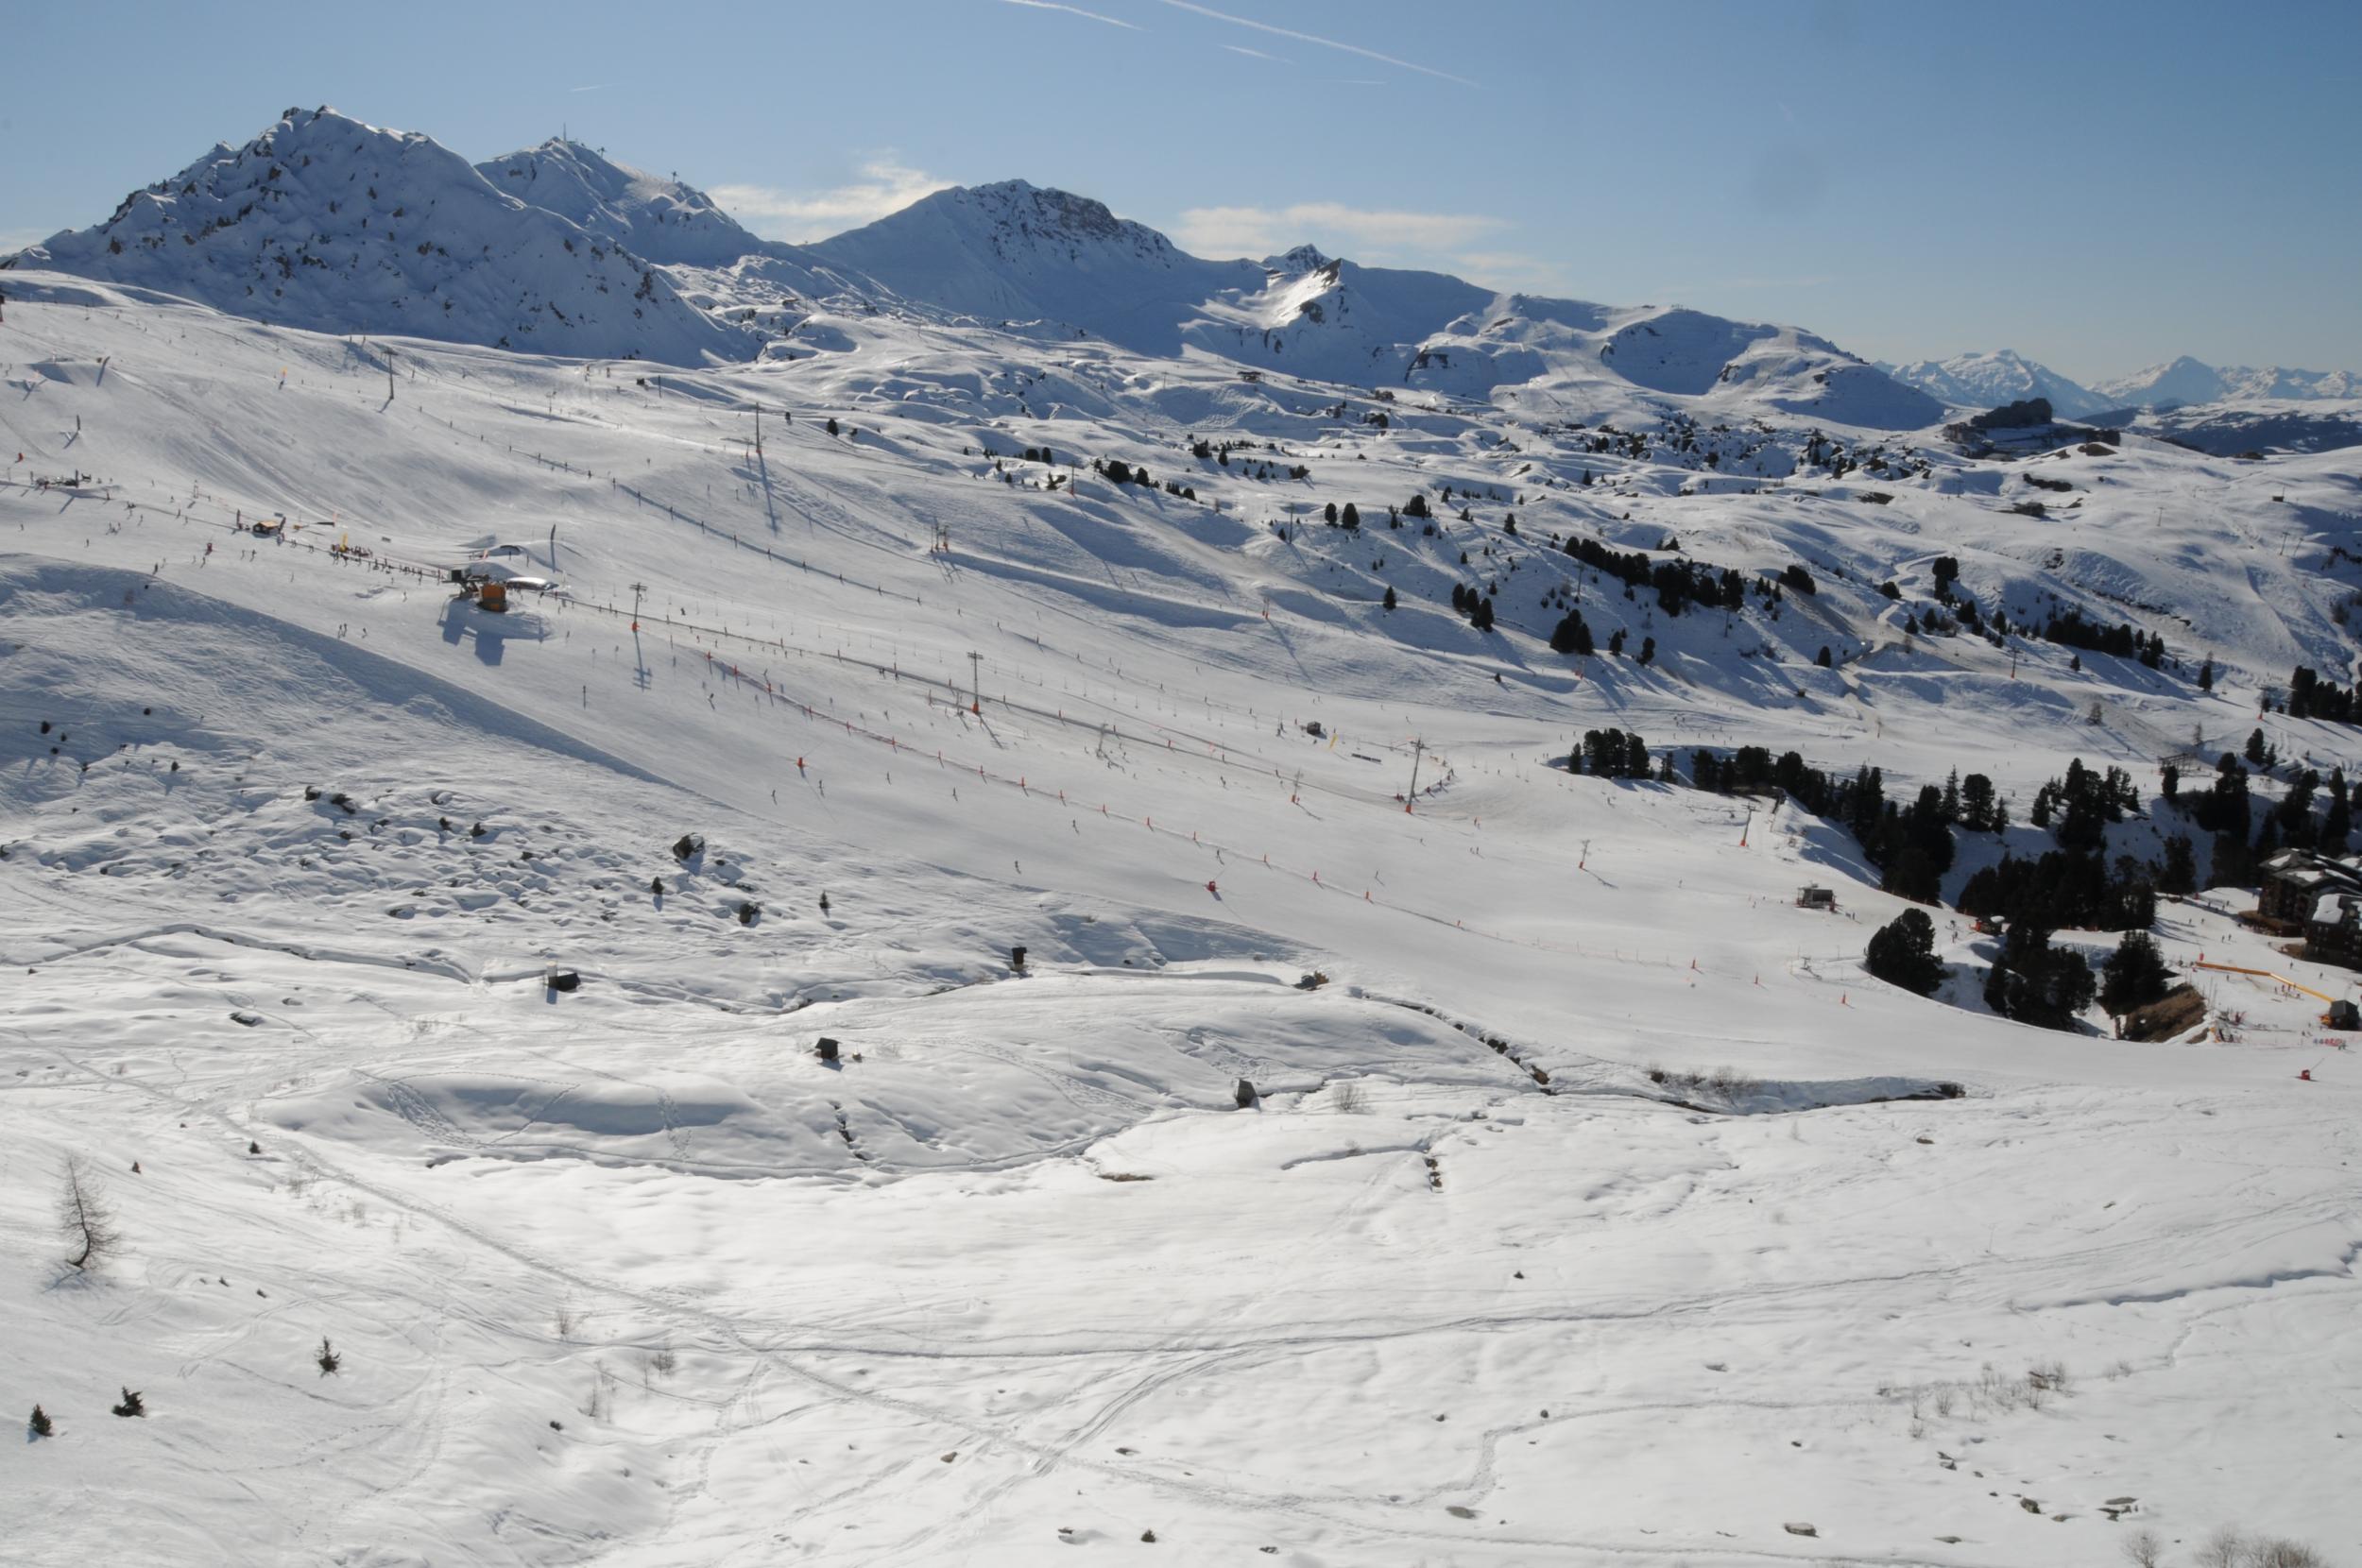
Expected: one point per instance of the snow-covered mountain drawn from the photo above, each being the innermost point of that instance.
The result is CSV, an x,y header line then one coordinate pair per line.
x,y
325,223
1013,253
1991,380
2189,381
655,218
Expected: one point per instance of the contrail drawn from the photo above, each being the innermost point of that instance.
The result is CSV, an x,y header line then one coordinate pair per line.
x,y
1303,38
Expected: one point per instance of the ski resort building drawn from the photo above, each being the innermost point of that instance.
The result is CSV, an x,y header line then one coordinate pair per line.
x,y
2333,934
2297,883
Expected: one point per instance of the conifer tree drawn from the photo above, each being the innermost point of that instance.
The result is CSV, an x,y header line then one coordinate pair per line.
x,y
2134,975
1903,953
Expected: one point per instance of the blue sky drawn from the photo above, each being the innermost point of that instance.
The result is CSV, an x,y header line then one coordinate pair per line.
x,y
2100,186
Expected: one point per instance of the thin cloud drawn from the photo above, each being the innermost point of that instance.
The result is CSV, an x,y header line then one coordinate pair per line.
x,y
1720,285
594,87
1074,10
1514,270
1253,54
1314,38
886,187
1262,231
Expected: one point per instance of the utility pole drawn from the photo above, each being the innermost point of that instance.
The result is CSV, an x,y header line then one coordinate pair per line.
x,y
976,687
758,413
639,591
1419,748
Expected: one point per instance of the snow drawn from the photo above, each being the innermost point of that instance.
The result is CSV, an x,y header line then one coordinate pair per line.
x,y
1586,1213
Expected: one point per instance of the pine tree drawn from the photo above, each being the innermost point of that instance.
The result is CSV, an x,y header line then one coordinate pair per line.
x,y
40,1423
1416,507
2037,983
1976,803
2234,863
1571,635
1903,953
1351,517
1390,598
2206,674
2179,874
2134,975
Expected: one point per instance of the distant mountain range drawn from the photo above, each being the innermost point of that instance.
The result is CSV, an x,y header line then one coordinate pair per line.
x,y
1991,380
1013,253
2187,381
2003,376
327,224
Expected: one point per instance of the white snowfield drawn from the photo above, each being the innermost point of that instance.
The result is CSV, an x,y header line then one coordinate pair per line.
x,y
1590,1211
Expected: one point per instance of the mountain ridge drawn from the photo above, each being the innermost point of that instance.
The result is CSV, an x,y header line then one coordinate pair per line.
x,y
578,254
329,223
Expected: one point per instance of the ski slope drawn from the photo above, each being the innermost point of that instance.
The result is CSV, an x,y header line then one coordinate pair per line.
x,y
1588,1213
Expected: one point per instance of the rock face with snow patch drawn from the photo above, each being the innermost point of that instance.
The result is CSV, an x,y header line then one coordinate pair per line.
x,y
327,223
1333,321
